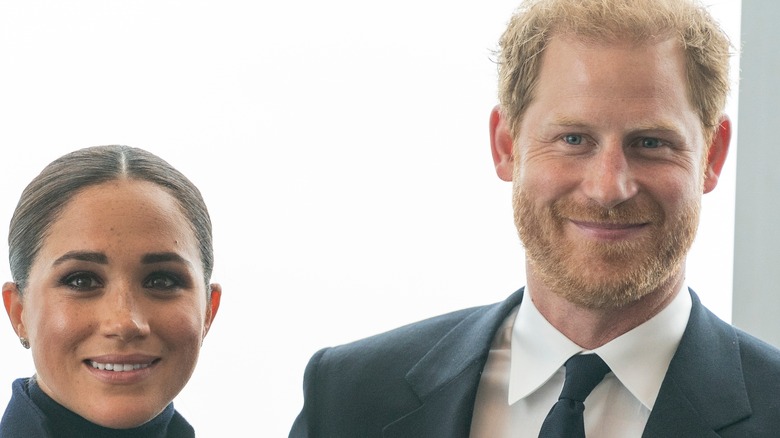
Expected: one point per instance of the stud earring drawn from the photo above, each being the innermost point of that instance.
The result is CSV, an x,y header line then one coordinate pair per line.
x,y
25,342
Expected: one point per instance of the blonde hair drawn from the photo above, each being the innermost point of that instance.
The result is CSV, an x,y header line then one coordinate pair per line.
x,y
706,46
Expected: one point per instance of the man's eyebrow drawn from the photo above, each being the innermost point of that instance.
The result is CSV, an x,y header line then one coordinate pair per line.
x,y
664,126
568,121
161,257
661,126
84,256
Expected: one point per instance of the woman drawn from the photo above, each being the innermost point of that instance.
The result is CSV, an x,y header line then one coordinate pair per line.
x,y
111,257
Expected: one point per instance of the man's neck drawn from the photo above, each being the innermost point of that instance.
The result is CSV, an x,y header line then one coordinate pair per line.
x,y
591,328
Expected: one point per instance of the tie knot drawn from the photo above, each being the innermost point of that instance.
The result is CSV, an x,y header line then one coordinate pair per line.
x,y
583,373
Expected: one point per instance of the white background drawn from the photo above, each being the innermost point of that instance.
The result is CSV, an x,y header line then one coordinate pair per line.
x,y
341,147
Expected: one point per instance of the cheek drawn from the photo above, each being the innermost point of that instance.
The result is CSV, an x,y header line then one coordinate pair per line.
x,y
56,322
545,183
181,327
58,331
676,190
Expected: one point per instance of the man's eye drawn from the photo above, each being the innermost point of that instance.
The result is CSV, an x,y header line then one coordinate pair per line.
x,y
573,139
81,281
651,143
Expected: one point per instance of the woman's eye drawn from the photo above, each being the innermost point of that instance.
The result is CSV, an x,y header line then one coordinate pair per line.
x,y
651,143
81,281
162,281
573,139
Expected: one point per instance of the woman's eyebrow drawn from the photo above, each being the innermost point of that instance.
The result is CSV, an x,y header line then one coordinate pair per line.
x,y
161,257
84,256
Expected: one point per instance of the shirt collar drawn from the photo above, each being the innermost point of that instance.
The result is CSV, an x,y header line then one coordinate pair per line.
x,y
639,358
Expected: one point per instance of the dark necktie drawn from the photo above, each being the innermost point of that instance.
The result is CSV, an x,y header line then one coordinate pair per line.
x,y
565,420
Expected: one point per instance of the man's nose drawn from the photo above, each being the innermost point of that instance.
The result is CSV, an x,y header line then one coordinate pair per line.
x,y
609,179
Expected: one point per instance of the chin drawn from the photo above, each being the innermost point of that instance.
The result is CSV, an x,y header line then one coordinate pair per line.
x,y
604,298
614,292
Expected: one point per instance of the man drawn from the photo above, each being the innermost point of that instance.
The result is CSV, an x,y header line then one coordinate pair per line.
x,y
611,127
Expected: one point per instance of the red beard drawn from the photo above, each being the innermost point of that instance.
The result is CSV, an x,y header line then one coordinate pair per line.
x,y
604,274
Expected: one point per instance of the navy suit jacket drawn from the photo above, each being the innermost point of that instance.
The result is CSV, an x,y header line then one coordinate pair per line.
x,y
421,380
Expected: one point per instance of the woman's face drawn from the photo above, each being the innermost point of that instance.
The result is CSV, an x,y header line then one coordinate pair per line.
x,y
116,307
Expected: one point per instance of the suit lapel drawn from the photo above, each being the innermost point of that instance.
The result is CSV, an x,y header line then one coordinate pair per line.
x,y
446,378
704,388
695,398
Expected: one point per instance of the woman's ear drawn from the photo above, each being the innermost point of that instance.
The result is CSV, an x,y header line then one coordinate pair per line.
x,y
501,145
212,306
14,307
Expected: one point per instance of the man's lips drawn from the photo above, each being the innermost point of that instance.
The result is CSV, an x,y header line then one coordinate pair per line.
x,y
609,230
608,225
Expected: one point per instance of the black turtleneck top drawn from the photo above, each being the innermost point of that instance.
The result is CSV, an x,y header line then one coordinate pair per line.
x,y
32,413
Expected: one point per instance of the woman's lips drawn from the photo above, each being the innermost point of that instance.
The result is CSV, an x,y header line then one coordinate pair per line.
x,y
122,369
118,367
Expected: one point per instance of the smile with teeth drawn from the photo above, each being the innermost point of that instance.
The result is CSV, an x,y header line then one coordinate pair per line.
x,y
118,367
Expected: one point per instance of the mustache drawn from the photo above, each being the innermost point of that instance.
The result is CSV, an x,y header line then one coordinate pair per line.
x,y
633,211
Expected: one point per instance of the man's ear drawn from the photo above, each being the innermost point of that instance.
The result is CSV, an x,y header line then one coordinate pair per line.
x,y
12,300
719,148
501,145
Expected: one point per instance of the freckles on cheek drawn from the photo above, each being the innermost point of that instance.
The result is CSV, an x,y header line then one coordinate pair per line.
x,y
182,330
58,320
59,336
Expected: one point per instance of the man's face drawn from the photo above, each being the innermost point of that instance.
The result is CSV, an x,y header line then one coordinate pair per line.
x,y
609,168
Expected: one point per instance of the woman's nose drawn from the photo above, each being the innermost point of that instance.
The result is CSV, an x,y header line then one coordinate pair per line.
x,y
123,316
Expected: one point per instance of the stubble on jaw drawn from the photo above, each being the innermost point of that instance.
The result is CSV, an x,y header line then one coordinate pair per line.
x,y
604,275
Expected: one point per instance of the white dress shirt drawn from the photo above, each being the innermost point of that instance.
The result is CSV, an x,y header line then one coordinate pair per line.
x,y
524,374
